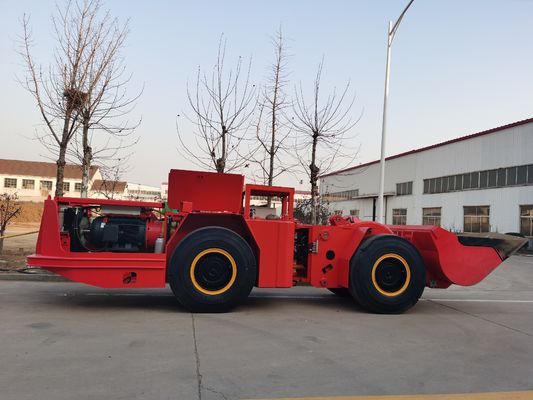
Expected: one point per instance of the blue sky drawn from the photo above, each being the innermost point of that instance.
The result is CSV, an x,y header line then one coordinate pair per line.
x,y
458,67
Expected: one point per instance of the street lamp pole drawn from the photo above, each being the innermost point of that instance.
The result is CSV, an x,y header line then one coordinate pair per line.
x,y
390,37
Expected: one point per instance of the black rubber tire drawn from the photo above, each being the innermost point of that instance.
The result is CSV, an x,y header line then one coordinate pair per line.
x,y
341,292
181,263
364,290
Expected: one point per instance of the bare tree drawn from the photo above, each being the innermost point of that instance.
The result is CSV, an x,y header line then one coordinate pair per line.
x,y
57,90
111,184
85,85
222,104
106,100
9,209
273,133
303,211
321,126
94,146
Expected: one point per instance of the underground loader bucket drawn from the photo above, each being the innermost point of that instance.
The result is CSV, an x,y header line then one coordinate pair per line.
x,y
505,245
463,259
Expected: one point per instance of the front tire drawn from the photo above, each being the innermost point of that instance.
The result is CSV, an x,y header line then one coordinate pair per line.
x,y
213,269
387,275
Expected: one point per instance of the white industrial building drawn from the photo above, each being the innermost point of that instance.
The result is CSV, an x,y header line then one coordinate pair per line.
x,y
476,183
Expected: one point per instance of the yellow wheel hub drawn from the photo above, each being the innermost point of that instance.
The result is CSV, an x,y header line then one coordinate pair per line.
x,y
213,271
391,275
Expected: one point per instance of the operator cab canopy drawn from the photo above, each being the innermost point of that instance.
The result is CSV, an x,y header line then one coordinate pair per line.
x,y
217,192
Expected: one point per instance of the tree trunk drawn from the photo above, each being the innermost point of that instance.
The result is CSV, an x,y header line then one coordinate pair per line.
x,y
61,159
313,175
60,174
314,215
221,162
2,231
87,159
272,151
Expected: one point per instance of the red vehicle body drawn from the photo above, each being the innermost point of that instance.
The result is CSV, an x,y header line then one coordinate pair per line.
x,y
212,248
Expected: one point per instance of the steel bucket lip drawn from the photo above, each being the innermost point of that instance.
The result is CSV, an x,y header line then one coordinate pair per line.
x,y
505,244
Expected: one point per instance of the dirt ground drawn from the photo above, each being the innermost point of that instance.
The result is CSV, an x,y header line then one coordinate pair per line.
x,y
31,213
16,249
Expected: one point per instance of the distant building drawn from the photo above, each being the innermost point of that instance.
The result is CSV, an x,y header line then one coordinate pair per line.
x,y
476,183
137,191
105,189
301,195
164,191
35,180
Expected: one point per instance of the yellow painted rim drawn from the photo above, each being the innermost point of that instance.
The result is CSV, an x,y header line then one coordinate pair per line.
x,y
407,279
233,271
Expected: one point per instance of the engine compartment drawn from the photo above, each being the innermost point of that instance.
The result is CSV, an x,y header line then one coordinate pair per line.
x,y
99,228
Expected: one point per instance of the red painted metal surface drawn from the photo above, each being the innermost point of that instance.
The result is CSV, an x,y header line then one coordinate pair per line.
x,y
208,199
154,230
341,238
102,269
275,241
285,194
207,191
74,201
446,260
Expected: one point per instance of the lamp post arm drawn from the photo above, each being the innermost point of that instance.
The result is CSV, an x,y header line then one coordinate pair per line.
x,y
392,32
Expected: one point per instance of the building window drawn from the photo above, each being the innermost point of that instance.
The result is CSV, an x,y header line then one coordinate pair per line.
x,y
354,213
77,187
431,216
10,183
474,180
466,181
445,184
483,179
399,216
404,188
458,182
66,186
511,176
337,212
342,196
28,184
521,176
501,177
46,185
526,220
476,219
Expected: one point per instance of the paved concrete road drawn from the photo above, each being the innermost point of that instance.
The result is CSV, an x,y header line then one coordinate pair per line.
x,y
71,341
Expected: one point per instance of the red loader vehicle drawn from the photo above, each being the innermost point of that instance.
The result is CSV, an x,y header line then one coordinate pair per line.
x,y
212,248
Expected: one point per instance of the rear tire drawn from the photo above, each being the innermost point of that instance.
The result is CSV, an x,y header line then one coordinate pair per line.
x,y
387,275
213,269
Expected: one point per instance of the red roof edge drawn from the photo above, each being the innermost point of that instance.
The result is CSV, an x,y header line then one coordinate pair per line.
x,y
459,139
